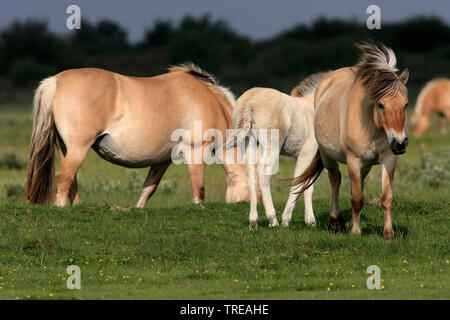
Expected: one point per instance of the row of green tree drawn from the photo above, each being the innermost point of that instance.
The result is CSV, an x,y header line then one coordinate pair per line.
x,y
29,51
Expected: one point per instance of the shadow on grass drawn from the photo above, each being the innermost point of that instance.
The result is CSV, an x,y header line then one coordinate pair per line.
x,y
400,232
369,227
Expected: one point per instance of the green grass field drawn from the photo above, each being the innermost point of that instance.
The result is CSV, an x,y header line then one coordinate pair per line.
x,y
176,250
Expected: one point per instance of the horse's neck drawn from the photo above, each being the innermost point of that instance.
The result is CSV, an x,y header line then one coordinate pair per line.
x,y
361,126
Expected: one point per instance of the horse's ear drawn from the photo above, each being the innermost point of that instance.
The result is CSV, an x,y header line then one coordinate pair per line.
x,y
404,76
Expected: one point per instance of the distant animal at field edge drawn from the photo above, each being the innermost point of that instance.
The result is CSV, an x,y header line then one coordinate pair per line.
x,y
434,97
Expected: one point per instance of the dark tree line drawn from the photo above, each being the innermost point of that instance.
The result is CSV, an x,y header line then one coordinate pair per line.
x,y
30,52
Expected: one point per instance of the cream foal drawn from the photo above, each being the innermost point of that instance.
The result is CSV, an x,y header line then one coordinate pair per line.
x,y
292,116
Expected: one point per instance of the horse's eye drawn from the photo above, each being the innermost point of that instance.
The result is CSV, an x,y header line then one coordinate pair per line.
x,y
406,105
380,106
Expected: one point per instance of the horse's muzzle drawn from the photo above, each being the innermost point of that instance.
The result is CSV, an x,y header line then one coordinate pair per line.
x,y
399,147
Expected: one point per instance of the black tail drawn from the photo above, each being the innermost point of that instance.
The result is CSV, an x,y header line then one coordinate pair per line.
x,y
307,178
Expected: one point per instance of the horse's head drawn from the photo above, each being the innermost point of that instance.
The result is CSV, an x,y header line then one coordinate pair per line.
x,y
391,116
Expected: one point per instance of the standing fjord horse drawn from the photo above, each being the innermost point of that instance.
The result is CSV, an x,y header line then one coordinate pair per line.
x,y
360,120
292,116
127,121
435,96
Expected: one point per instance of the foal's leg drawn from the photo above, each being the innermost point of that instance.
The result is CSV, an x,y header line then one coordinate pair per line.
x,y
66,184
264,171
303,161
310,220
151,183
354,170
387,179
252,186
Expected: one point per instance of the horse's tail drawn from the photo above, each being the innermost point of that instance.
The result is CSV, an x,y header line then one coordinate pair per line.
x,y
242,121
307,178
308,85
43,139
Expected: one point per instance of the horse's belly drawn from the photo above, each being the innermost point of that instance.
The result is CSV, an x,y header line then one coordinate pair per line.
x,y
128,152
294,143
333,152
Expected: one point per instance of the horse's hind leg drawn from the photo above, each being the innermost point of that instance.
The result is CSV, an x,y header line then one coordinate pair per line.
x,y
197,173
67,185
252,186
151,183
264,171
337,223
73,192
306,155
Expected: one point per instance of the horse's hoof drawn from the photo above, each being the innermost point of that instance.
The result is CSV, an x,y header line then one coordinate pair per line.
x,y
253,225
354,230
285,223
337,224
310,223
274,223
388,234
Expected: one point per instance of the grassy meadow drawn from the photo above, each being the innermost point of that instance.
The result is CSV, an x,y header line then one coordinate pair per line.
x,y
173,249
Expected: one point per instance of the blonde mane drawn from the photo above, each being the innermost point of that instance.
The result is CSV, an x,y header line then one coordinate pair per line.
x,y
308,85
206,78
376,69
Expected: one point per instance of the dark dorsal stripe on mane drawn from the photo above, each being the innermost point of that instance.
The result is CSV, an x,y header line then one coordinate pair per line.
x,y
376,70
308,85
206,78
197,72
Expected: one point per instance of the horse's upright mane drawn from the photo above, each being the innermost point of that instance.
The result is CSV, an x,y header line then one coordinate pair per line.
x,y
206,78
308,85
376,69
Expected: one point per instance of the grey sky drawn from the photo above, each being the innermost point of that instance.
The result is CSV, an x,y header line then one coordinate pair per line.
x,y
255,18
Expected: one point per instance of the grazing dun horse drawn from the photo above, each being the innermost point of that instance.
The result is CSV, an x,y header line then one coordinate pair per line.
x,y
127,121
360,120
292,116
435,96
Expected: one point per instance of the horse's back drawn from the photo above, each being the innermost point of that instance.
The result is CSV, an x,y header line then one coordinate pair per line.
x,y
131,119
270,108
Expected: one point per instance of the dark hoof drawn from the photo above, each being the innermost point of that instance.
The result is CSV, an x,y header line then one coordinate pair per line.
x,y
388,234
337,224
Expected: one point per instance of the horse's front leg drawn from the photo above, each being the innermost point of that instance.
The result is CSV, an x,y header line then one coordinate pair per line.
x,y
151,183
354,170
388,163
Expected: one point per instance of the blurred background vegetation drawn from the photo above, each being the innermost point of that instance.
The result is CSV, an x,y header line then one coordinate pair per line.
x,y
30,52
